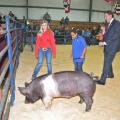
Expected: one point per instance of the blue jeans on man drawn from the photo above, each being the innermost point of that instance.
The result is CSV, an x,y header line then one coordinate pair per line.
x,y
78,66
47,53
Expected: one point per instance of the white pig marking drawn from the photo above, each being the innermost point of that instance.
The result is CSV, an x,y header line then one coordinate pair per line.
x,y
50,87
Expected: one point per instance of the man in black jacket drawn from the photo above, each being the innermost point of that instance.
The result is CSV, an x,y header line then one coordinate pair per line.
x,y
111,46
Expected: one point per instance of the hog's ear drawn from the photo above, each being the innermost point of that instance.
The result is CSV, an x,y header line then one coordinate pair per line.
x,y
23,90
26,84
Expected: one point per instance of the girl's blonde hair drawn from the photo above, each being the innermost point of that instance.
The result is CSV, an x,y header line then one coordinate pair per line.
x,y
44,22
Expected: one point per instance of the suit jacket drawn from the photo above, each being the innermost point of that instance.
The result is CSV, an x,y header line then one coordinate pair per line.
x,y
112,37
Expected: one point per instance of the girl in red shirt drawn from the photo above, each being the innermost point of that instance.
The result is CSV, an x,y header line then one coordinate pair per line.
x,y
45,47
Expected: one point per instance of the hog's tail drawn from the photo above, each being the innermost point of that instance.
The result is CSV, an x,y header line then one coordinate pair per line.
x,y
93,76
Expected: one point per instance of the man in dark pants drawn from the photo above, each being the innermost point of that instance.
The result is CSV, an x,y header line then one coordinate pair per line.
x,y
111,46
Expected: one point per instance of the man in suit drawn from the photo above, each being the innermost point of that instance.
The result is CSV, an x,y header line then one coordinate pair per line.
x,y
111,46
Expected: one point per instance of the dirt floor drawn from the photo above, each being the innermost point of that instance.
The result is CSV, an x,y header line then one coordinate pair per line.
x,y
106,104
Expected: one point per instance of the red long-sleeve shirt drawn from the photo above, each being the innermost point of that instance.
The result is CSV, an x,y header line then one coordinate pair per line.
x,y
45,40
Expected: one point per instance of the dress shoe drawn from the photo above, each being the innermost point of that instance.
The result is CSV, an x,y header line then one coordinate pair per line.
x,y
100,82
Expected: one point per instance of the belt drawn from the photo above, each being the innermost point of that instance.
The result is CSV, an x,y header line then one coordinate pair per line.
x,y
44,49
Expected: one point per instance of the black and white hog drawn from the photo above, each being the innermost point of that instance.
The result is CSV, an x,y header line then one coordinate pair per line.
x,y
61,84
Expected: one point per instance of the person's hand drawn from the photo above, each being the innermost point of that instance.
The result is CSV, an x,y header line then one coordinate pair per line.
x,y
101,44
54,56
82,56
105,43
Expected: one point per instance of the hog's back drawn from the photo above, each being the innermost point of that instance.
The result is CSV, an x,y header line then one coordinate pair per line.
x,y
72,83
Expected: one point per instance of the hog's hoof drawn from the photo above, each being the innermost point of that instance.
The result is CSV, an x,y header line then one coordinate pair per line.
x,y
47,108
27,101
81,101
87,110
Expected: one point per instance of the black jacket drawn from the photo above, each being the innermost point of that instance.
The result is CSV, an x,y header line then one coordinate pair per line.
x,y
112,37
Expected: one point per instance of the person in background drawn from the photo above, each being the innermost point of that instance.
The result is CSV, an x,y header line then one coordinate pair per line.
x,y
79,31
66,20
47,17
2,23
62,21
94,31
79,48
111,45
11,14
1,29
101,33
45,48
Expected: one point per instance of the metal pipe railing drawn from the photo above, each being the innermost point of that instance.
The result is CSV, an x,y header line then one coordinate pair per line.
x,y
7,75
2,76
4,97
2,53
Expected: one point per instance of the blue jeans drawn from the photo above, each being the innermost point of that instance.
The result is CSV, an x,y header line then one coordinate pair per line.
x,y
41,55
78,66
